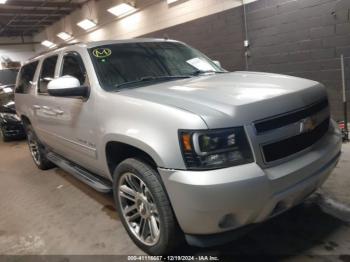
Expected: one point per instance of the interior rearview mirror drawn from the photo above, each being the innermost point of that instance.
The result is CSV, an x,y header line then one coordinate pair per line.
x,y
66,86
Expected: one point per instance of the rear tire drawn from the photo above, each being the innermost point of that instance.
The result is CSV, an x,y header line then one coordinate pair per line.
x,y
37,150
140,196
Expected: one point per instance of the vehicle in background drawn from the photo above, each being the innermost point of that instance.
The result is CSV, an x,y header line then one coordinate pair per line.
x,y
344,131
11,126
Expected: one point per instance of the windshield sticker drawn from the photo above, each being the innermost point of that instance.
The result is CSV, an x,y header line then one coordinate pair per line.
x,y
200,64
102,52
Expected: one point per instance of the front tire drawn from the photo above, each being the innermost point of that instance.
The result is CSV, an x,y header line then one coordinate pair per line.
x,y
37,150
144,208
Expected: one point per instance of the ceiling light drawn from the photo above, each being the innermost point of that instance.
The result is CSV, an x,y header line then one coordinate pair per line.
x,y
122,9
47,43
3,1
86,24
171,1
64,36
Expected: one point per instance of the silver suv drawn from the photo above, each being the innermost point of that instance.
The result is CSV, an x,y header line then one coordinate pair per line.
x,y
189,150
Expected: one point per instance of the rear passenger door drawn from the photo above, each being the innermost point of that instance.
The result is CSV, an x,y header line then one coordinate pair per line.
x,y
44,118
25,91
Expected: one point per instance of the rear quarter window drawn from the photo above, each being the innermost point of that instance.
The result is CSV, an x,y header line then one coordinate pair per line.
x,y
25,79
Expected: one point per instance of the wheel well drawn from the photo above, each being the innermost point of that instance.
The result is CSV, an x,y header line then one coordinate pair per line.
x,y
116,152
25,120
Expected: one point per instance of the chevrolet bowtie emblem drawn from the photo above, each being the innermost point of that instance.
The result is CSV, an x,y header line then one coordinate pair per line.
x,y
307,124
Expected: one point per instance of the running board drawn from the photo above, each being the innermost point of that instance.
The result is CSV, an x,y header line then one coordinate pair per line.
x,y
98,183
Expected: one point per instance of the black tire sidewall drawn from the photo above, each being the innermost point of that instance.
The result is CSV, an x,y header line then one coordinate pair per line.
x,y
44,162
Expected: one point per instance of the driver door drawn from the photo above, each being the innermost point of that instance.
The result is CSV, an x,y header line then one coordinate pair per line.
x,y
71,127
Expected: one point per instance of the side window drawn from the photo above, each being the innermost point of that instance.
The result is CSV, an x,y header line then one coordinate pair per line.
x,y
73,65
47,73
26,76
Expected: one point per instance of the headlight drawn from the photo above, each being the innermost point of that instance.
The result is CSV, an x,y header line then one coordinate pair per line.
x,y
10,117
215,148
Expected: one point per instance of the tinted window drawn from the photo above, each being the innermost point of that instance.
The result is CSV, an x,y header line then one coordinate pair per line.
x,y
26,76
47,73
119,64
8,76
73,65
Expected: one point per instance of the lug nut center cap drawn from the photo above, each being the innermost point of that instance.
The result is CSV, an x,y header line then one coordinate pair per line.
x,y
142,207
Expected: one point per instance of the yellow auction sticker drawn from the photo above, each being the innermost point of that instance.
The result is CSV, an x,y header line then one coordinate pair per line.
x,y
102,52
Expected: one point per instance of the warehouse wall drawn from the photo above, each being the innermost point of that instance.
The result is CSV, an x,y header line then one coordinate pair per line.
x,y
220,36
152,15
302,38
15,52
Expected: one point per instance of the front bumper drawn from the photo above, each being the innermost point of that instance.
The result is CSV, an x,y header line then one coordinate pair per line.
x,y
217,201
13,130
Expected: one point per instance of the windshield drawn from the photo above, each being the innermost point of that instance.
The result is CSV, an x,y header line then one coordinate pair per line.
x,y
137,64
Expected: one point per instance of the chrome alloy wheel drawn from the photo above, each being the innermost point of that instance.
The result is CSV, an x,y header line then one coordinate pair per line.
x,y
139,209
34,149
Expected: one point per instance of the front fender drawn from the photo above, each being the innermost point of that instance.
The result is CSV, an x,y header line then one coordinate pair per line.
x,y
132,142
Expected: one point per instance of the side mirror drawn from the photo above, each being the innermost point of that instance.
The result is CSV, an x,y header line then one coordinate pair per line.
x,y
66,86
217,63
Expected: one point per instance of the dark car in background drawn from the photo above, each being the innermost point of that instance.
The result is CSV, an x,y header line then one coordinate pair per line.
x,y
11,126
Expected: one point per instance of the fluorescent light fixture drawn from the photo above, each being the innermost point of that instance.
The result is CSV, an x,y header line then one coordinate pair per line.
x,y
3,1
86,24
122,9
47,43
171,1
64,36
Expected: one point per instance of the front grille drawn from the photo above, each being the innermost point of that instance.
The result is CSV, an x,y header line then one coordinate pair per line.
x,y
294,144
268,124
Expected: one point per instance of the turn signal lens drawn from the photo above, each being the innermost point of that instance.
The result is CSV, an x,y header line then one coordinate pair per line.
x,y
186,142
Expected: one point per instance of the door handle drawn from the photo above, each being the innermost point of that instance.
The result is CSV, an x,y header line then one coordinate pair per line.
x,y
36,107
59,112
46,108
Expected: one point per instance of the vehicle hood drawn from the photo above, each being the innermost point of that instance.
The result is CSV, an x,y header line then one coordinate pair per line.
x,y
224,100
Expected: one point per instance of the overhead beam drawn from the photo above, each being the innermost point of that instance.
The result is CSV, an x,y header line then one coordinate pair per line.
x,y
28,22
19,26
12,33
31,14
37,4
14,11
24,43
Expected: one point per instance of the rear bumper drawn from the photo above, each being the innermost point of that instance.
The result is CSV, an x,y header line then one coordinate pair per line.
x,y
217,201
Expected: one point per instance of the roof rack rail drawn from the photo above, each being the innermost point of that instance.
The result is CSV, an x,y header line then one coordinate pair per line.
x,y
55,48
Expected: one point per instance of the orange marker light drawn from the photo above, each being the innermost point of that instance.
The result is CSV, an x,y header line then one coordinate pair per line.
x,y
186,142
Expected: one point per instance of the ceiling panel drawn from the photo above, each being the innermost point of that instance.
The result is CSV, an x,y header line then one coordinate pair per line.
x,y
27,17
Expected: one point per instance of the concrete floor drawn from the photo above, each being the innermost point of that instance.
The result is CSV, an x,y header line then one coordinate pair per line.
x,y
52,213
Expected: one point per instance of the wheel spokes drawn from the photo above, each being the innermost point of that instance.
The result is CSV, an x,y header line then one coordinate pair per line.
x,y
134,216
134,186
153,227
127,192
142,228
139,209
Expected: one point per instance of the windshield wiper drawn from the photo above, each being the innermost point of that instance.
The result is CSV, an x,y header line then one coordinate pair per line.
x,y
202,72
153,78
